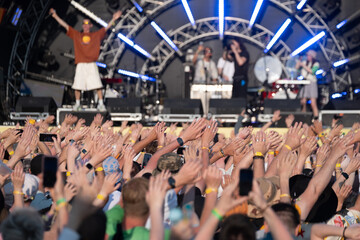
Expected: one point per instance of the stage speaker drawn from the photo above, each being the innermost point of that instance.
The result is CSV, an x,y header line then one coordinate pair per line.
x,y
88,115
36,105
124,105
227,106
342,105
182,106
284,105
44,89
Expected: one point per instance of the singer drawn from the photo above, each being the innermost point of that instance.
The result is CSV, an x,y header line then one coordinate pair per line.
x,y
87,49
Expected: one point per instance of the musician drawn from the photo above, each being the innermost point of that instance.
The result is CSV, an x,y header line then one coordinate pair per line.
x,y
87,49
205,67
241,61
226,67
308,68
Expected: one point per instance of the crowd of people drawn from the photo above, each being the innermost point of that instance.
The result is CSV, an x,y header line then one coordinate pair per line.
x,y
165,182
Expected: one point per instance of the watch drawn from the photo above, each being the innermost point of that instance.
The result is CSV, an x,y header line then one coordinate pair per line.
x,y
180,141
89,166
171,182
346,176
84,151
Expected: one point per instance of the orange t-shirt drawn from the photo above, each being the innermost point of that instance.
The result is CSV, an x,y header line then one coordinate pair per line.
x,y
86,45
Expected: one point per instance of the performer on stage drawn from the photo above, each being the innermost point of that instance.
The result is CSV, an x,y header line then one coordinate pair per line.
x,y
241,61
205,68
87,49
226,67
308,69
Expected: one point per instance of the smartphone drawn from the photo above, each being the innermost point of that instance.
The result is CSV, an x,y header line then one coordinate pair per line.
x,y
44,137
20,131
246,179
50,166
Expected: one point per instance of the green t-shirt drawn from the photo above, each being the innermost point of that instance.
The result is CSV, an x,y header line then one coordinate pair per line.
x,y
115,216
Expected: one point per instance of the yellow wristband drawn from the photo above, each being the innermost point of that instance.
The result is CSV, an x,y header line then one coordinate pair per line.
x,y
132,141
18,192
32,121
5,161
258,154
100,197
63,204
285,195
205,148
11,153
338,165
322,134
288,147
130,131
99,169
222,152
158,147
318,165
68,173
210,190
271,153
307,162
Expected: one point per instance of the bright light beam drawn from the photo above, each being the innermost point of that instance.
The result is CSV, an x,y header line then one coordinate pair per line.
x,y
138,7
135,46
164,36
221,18
188,12
341,24
277,35
89,14
255,13
102,65
136,75
340,62
308,43
301,4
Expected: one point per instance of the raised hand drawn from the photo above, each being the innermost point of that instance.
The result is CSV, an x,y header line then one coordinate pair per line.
x,y
340,146
276,116
274,140
240,153
100,153
232,146
289,120
229,199
286,165
189,172
80,123
354,164
109,184
194,131
128,157
213,177
335,131
209,133
17,178
259,143
117,15
157,190
322,154
244,133
317,127
308,146
293,138
190,153
69,191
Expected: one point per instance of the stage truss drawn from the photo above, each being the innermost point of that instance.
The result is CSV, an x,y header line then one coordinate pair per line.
x,y
133,22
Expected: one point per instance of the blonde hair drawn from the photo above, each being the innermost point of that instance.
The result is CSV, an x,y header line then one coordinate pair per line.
x,y
133,195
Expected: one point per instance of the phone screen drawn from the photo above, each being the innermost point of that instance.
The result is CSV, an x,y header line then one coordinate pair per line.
x,y
50,166
47,137
245,184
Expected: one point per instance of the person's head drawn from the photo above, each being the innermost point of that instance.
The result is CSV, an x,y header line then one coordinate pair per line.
x,y
21,224
311,55
169,161
86,25
289,216
36,165
133,198
151,147
93,227
208,52
237,227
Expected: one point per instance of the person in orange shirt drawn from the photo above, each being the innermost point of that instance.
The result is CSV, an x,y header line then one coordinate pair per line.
x,y
87,49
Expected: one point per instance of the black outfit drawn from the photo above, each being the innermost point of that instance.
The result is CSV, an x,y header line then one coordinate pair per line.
x,y
240,78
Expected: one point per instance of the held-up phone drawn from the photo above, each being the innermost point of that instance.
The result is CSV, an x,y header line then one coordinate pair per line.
x,y
44,137
50,166
245,184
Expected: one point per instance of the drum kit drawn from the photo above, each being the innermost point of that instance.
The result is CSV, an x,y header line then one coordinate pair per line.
x,y
268,71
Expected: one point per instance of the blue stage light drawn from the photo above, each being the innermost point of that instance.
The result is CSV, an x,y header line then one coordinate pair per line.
x,y
356,90
255,13
277,35
138,7
135,75
301,4
336,95
341,24
16,17
102,65
221,18
188,12
340,62
308,43
164,36
319,72
135,46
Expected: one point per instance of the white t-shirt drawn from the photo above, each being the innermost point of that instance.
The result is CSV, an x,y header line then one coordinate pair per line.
x,y
203,69
228,69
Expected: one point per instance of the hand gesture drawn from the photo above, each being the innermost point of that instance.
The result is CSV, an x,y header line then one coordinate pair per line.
x,y
69,191
128,158
308,146
259,143
244,133
80,123
286,164
157,190
209,133
213,177
335,131
194,131
257,197
200,48
322,154
109,184
73,151
229,199
317,127
232,146
293,138
240,153
276,116
101,152
354,164
17,178
117,15
289,120
343,192
274,139
340,146
52,11
190,172
190,153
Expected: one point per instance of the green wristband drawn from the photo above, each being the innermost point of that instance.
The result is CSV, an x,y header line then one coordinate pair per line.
x,y
216,214
61,200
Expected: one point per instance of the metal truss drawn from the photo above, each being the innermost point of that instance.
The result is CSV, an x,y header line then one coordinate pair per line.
x,y
133,22
206,28
28,27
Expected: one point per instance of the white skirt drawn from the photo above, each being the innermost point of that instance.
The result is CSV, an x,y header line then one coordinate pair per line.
x,y
87,77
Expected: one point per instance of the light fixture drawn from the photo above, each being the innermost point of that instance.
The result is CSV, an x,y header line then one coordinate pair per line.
x,y
255,13
188,12
308,43
277,35
221,18
136,75
301,4
164,36
135,46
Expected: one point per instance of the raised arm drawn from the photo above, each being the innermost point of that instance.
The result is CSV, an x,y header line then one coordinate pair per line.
x,y
58,19
115,17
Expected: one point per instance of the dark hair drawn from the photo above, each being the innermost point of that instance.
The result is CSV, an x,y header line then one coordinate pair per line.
x,y
93,227
237,225
288,214
136,168
151,147
36,165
